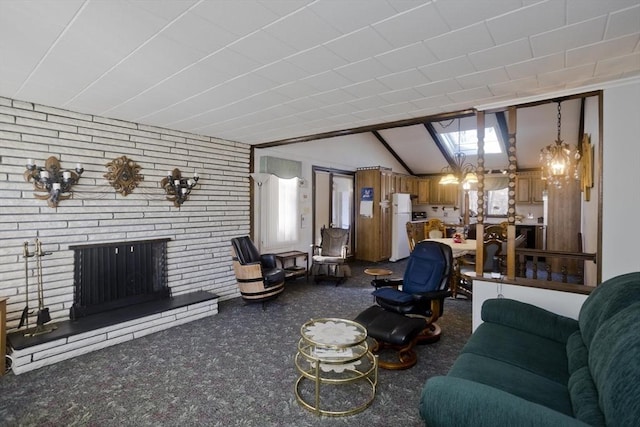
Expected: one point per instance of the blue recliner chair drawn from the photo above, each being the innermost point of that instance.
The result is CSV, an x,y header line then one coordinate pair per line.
x,y
406,316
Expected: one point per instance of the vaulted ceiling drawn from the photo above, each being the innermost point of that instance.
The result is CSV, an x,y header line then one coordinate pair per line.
x,y
262,71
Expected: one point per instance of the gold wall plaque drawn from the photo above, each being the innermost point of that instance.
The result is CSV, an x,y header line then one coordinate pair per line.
x,y
123,175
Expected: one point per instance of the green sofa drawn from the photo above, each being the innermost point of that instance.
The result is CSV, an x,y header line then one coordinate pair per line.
x,y
525,366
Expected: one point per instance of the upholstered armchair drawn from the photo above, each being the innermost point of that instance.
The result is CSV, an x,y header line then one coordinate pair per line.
x,y
425,285
259,279
329,258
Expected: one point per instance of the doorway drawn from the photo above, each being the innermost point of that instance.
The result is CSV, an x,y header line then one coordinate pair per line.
x,y
333,201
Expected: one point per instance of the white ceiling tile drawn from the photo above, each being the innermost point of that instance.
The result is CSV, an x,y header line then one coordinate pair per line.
x,y
359,45
261,69
365,69
430,102
303,30
536,18
414,25
439,87
504,54
599,51
624,22
568,37
195,32
461,13
317,60
470,94
237,17
281,72
620,64
295,89
353,14
404,79
535,66
326,81
366,88
403,95
367,103
412,56
567,75
445,69
461,42
333,97
581,10
483,78
513,86
262,47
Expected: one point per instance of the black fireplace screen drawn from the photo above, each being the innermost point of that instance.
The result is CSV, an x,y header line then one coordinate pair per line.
x,y
115,275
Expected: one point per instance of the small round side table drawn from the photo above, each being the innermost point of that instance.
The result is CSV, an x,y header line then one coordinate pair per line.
x,y
375,272
335,360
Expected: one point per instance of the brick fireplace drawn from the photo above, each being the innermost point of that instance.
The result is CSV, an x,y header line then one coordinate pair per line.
x,y
120,293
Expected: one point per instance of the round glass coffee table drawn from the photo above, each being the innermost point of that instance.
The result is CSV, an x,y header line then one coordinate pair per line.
x,y
336,367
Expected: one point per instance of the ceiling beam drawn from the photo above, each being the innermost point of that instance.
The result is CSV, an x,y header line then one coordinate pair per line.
x,y
436,139
393,153
368,128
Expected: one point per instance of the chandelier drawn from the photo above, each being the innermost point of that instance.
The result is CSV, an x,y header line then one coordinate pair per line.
x,y
460,170
559,160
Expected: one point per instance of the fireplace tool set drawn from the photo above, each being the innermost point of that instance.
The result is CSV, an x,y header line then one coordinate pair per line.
x,y
42,315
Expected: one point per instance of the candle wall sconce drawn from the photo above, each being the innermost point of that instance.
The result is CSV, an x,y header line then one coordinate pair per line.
x,y
123,175
51,182
177,187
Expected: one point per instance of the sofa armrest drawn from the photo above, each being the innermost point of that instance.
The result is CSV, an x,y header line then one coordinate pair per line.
x,y
528,318
451,401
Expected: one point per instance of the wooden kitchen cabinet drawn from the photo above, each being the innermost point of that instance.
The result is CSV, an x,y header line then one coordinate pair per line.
x,y
529,187
423,191
442,194
373,233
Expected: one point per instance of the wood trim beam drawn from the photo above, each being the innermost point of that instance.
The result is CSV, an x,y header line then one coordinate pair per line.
x,y
391,151
436,139
368,128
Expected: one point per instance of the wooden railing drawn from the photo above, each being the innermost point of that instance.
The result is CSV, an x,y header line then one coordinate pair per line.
x,y
541,258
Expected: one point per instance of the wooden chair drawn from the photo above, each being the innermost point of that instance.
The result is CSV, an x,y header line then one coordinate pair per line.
x,y
329,258
434,229
415,234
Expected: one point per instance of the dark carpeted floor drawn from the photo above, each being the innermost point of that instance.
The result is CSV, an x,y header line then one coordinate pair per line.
x,y
233,369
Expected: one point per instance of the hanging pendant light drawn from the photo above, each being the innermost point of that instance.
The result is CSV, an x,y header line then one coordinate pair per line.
x,y
559,160
460,171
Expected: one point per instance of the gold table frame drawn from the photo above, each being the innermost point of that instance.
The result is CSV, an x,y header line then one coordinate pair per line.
x,y
342,357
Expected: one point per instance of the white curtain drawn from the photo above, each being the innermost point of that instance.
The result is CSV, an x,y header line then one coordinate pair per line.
x,y
281,216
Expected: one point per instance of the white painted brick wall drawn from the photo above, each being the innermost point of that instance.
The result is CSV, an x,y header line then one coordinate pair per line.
x,y
200,232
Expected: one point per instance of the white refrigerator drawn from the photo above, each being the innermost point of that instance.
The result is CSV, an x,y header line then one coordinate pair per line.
x,y
400,215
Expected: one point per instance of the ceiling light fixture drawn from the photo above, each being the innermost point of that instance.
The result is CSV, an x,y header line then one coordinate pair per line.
x,y
559,160
461,171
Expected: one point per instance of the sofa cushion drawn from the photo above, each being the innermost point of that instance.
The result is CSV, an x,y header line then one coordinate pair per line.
x,y
528,318
584,398
530,352
513,379
606,300
577,353
614,362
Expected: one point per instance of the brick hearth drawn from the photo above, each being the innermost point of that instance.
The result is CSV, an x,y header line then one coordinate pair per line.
x,y
73,338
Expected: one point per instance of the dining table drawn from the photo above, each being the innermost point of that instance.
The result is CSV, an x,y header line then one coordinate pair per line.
x,y
458,248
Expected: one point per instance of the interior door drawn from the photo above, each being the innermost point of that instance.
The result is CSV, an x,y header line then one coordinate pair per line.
x,y
333,201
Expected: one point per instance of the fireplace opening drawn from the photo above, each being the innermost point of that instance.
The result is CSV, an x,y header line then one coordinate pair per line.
x,y
109,276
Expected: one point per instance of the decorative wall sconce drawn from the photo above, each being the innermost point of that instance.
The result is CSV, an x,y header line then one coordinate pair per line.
x,y
178,188
123,175
53,183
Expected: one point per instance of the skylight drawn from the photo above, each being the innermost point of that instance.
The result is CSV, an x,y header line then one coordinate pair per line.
x,y
469,141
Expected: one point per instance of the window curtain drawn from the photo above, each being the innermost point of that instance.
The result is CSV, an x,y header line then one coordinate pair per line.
x,y
281,213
